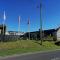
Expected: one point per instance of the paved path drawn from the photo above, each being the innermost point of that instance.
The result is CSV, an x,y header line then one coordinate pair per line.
x,y
53,55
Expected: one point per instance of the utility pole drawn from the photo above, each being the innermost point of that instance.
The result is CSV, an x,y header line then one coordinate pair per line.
x,y
41,21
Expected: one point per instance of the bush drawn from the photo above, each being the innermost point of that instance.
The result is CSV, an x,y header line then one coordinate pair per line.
x,y
57,43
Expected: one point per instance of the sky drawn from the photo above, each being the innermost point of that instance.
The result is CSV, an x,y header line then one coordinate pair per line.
x,y
28,9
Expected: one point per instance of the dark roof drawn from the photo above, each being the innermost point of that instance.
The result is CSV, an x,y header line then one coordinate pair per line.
x,y
52,30
57,28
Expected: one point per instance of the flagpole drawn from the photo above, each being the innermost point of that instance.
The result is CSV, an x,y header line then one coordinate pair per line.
x,y
4,21
3,31
29,27
18,26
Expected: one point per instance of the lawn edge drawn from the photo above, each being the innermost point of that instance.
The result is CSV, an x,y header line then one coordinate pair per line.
x,y
27,53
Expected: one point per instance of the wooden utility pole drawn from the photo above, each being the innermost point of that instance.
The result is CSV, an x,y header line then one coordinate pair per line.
x,y
41,21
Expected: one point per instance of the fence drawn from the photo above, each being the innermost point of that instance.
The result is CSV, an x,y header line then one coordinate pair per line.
x,y
9,37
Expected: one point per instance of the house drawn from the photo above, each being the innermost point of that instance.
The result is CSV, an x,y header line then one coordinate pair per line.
x,y
58,34
2,29
2,32
50,35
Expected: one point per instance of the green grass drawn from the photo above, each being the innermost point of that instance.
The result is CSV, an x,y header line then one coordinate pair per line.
x,y
23,46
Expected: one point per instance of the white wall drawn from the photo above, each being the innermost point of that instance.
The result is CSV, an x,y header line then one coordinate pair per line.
x,y
58,34
14,33
6,33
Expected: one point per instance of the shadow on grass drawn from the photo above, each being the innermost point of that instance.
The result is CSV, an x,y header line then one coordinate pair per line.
x,y
57,43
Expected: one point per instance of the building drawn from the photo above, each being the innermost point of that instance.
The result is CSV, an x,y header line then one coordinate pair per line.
x,y
58,34
2,29
50,35
14,33
2,32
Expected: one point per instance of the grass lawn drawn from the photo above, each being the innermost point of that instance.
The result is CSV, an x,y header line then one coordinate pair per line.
x,y
23,46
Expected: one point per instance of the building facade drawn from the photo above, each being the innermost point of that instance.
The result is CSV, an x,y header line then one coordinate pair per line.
x,y
58,34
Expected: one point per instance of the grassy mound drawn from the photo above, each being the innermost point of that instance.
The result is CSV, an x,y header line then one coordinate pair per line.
x,y
23,46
